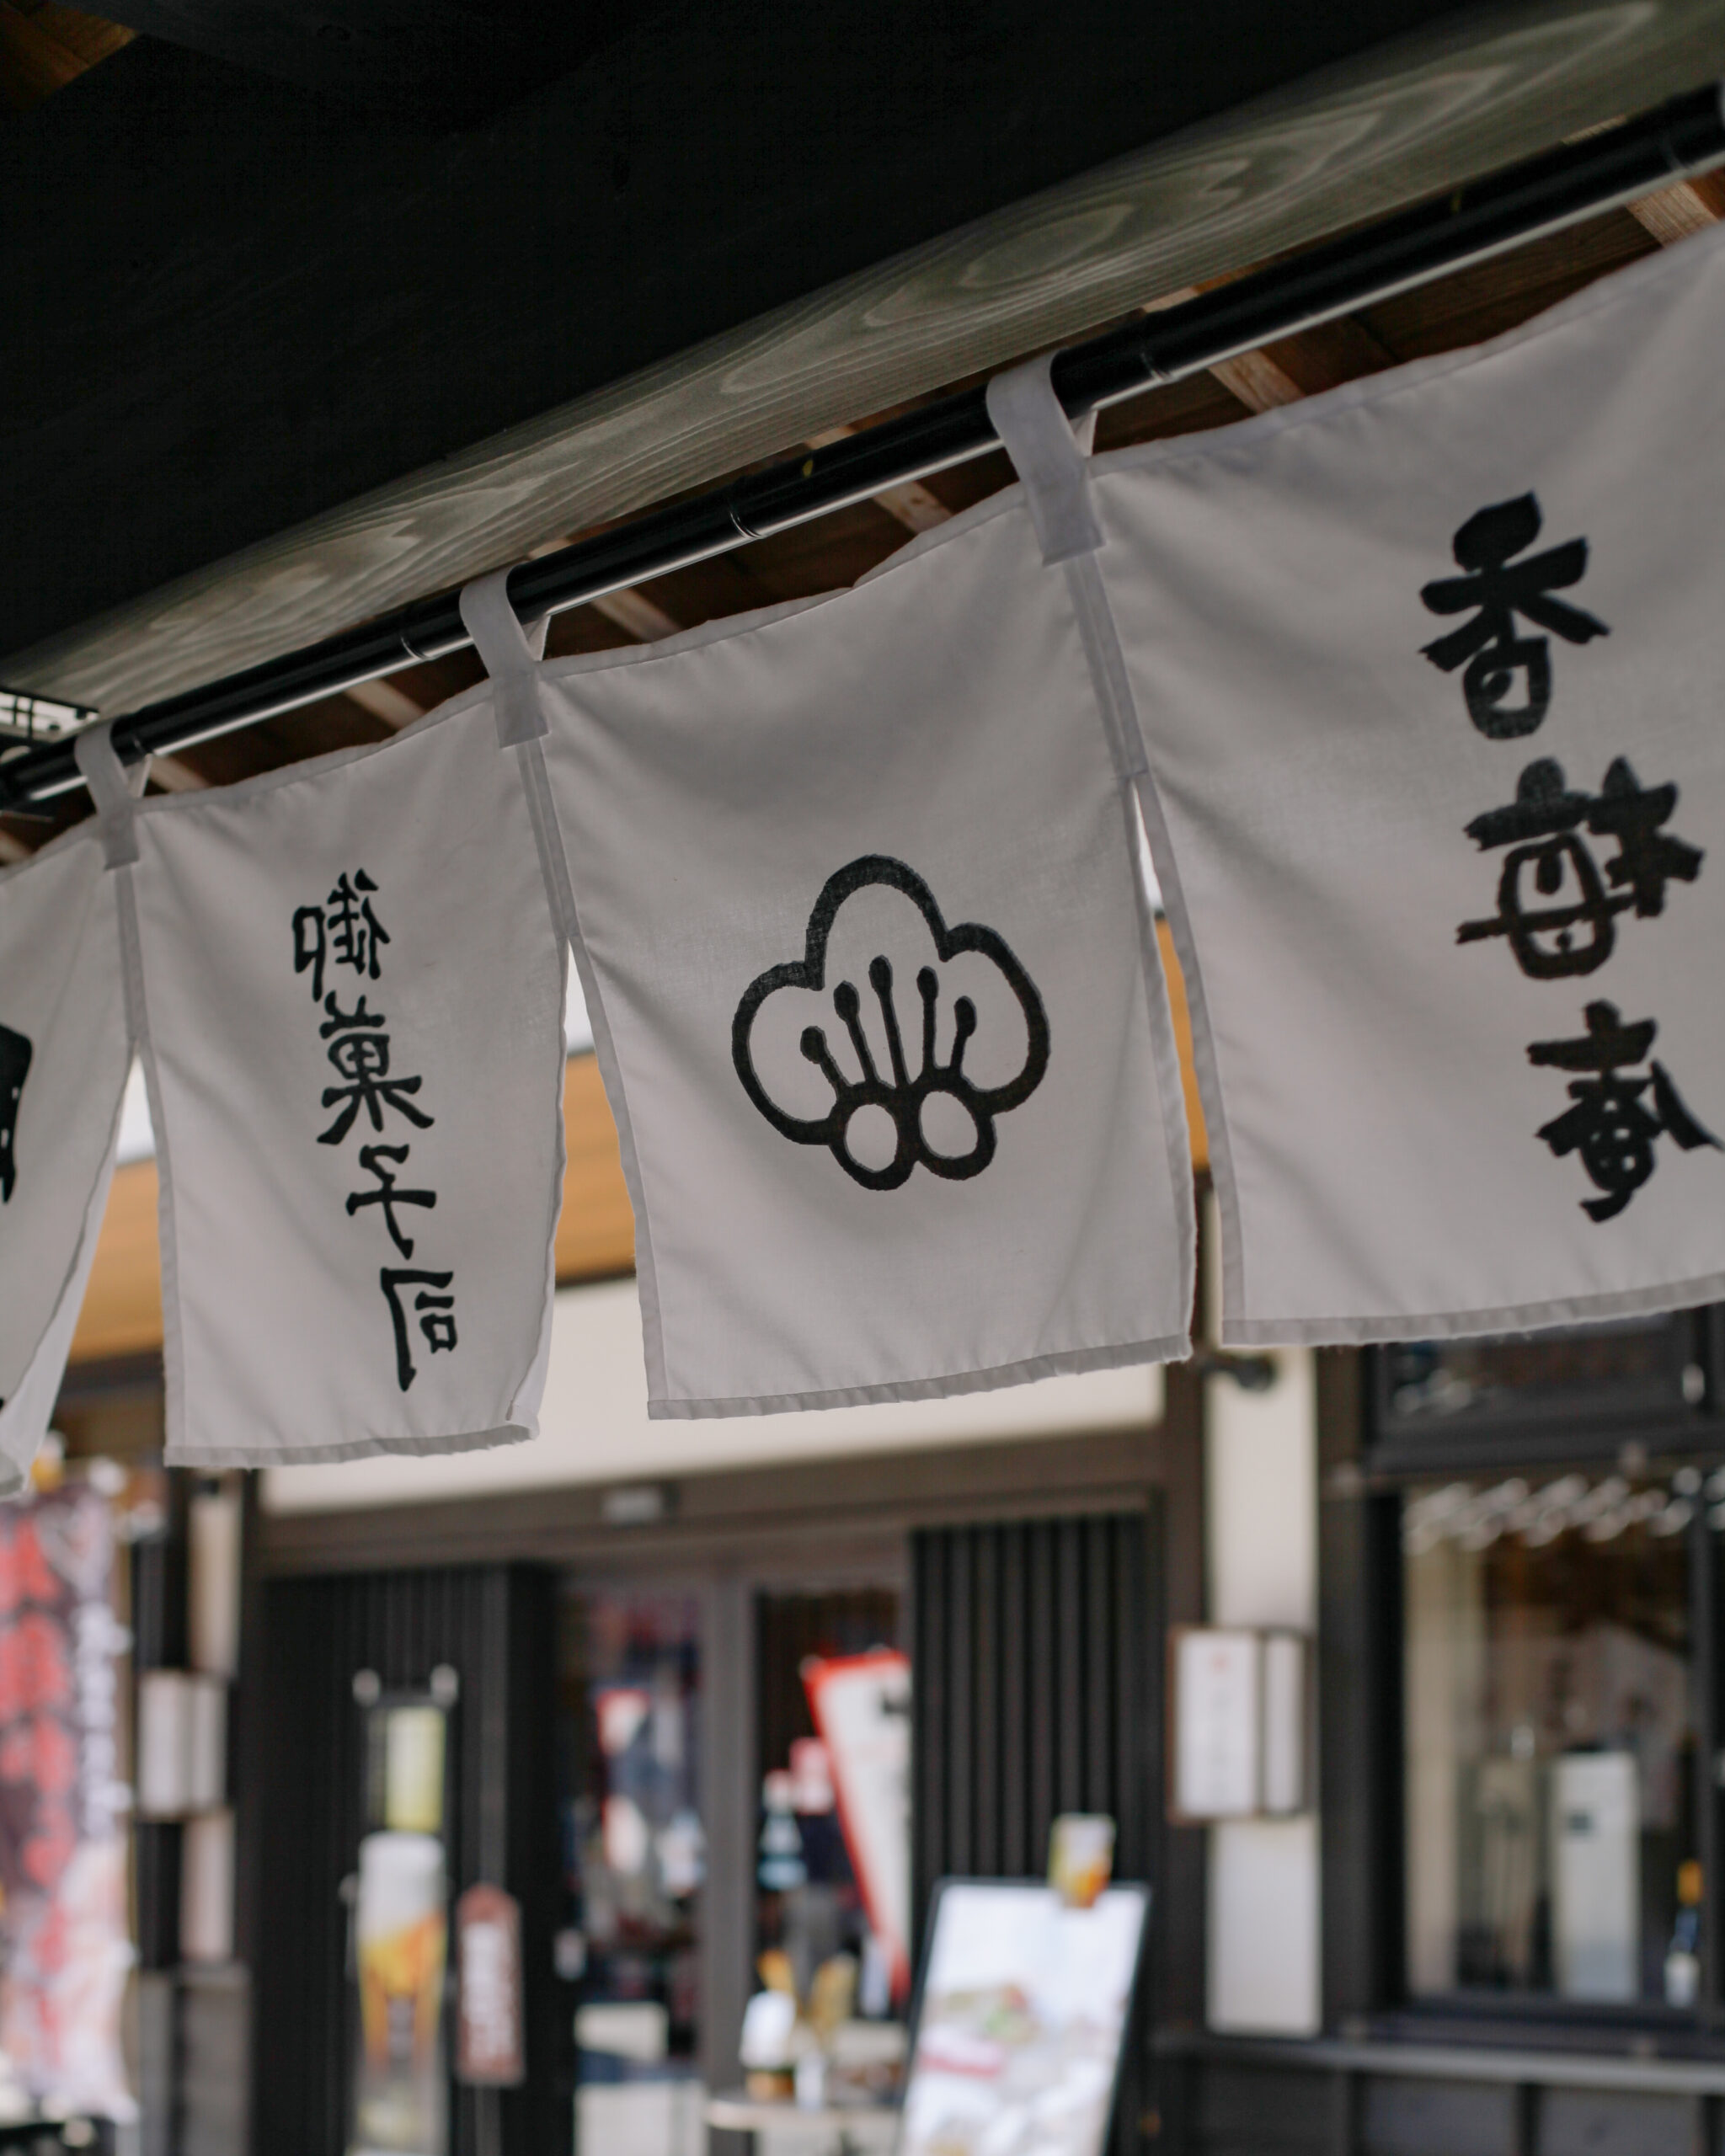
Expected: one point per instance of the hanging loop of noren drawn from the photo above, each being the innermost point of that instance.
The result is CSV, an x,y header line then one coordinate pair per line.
x,y
1050,453
511,653
114,788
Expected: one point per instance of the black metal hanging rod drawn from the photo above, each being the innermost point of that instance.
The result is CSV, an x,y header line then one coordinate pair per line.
x,y
1527,200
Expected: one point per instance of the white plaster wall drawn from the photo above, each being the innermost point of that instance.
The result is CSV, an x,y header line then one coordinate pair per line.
x,y
1261,1512
594,1426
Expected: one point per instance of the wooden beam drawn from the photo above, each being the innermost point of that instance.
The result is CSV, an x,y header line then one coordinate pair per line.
x,y
1674,212
645,618
1199,1135
630,611
1257,381
1403,121
911,504
384,699
43,47
122,1311
174,775
1294,367
596,1231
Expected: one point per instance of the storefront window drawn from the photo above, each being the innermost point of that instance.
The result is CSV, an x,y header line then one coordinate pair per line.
x,y
1550,1735
1632,1367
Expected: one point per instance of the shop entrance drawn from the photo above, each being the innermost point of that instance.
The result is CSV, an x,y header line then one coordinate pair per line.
x,y
634,1860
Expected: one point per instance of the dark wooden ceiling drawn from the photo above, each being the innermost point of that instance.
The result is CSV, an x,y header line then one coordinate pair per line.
x,y
44,46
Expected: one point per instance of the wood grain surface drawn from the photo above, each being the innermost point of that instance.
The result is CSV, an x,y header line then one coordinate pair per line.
x,y
233,305
1406,120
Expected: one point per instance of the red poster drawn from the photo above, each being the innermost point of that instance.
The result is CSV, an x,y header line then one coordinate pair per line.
x,y
861,1704
62,1806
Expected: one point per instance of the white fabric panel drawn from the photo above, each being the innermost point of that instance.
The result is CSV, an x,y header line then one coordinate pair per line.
x,y
1410,1097
594,1426
64,1054
352,990
755,817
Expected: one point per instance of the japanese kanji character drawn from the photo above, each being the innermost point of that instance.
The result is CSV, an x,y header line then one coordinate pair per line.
x,y
1647,858
1553,906
435,1312
345,1021
15,1054
387,1195
355,931
1610,1124
1499,590
310,945
344,929
362,1057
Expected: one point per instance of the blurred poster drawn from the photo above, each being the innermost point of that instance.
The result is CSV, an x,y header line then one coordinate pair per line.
x,y
1022,2015
490,2041
401,1928
62,1806
861,1704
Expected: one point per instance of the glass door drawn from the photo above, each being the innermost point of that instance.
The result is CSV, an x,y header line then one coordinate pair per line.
x,y
634,1858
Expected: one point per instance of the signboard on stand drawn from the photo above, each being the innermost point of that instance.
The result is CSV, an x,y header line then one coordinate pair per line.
x,y
1021,2018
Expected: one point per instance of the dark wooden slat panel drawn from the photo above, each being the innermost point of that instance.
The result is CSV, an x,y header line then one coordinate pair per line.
x,y
494,1627
1602,2122
961,1704
1263,2111
989,1852
1022,1632
1050,1708
1042,1711
1402,2117
1102,1658
1068,1724
1016,1855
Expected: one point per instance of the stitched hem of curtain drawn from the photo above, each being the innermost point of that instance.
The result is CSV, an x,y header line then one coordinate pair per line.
x,y
553,876
1173,1347
131,952
1449,1325
1204,1065
37,1388
616,1095
1118,711
212,1456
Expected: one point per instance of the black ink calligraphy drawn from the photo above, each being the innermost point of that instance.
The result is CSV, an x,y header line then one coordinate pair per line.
x,y
388,1193
1496,589
435,1313
1555,907
15,1054
346,931
343,930
1608,1124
